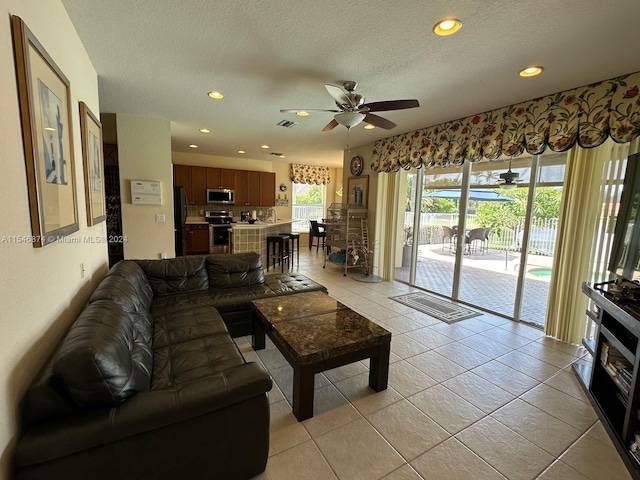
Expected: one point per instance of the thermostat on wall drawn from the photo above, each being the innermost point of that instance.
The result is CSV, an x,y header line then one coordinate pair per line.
x,y
145,192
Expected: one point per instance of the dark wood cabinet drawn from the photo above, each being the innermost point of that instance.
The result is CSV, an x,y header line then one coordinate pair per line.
x,y
182,178
611,378
213,178
267,189
253,186
197,239
227,178
199,185
241,187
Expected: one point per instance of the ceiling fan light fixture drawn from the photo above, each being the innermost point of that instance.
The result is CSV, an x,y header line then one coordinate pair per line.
x,y
447,26
508,186
368,126
349,119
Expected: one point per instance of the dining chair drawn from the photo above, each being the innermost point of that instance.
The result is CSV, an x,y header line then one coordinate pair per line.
x,y
317,231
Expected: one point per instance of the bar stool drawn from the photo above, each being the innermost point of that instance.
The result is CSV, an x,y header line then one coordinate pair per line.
x,y
280,250
294,246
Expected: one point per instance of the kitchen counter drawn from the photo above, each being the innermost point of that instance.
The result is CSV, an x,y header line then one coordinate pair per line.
x,y
196,221
260,225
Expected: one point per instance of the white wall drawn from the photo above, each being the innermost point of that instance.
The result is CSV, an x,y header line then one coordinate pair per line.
x,y
144,153
41,289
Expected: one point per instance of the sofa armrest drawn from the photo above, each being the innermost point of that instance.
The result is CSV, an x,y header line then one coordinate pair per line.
x,y
141,413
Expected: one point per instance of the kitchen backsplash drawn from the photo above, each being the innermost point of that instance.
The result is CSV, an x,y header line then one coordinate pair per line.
x,y
194,210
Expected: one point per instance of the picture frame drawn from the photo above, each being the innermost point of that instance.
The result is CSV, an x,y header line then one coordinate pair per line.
x,y
45,110
92,160
358,189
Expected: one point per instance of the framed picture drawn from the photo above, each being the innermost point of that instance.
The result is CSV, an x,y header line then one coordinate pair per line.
x,y
91,133
358,188
46,131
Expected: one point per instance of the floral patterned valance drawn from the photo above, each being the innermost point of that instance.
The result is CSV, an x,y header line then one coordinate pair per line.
x,y
310,174
585,115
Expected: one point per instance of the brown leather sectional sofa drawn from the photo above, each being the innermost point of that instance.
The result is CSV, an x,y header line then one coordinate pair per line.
x,y
148,382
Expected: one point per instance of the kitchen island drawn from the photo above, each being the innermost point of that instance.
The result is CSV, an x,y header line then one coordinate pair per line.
x,y
248,237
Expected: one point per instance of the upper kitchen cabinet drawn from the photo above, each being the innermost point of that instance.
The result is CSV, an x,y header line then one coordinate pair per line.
x,y
241,188
194,181
267,189
220,178
253,185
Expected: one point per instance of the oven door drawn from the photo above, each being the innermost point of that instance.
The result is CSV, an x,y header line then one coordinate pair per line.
x,y
218,238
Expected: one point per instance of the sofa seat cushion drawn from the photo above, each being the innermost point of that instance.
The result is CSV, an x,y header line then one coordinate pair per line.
x,y
193,360
176,275
104,359
184,325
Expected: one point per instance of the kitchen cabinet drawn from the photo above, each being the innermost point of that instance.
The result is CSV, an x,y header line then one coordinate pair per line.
x,y
267,189
220,178
241,187
253,185
197,239
194,181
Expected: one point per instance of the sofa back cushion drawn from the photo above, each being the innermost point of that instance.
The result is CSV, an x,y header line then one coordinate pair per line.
x,y
237,270
175,275
132,272
104,359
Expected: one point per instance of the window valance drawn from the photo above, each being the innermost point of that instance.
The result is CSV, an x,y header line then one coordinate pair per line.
x,y
585,115
310,174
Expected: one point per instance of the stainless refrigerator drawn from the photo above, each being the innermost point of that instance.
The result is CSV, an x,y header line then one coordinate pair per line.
x,y
180,220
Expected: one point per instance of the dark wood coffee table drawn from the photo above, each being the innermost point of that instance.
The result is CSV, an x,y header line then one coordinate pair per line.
x,y
315,333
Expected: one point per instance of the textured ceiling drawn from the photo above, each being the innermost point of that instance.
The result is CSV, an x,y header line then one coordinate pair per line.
x,y
159,58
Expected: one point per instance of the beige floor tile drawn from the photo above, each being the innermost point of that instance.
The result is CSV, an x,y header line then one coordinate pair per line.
x,y
511,454
283,377
364,398
272,358
478,391
494,320
451,460
403,473
407,379
462,355
486,345
562,406
446,408
599,433
430,338
528,365
405,347
403,324
285,431
358,452
304,462
547,354
523,330
322,423
275,395
436,366
506,338
567,382
346,371
561,471
538,427
574,350
505,377
327,398
407,429
475,325
422,318
453,330
595,460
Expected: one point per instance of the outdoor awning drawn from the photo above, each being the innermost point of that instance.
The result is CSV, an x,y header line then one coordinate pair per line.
x,y
586,116
478,195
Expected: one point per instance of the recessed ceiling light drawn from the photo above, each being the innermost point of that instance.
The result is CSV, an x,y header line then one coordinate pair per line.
x,y
302,113
281,156
205,130
368,126
264,146
447,26
216,95
531,71
241,151
193,145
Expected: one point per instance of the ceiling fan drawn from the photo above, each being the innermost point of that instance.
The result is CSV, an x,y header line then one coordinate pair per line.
x,y
509,179
353,110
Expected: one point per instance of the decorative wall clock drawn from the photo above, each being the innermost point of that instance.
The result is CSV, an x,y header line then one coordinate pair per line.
x,y
356,165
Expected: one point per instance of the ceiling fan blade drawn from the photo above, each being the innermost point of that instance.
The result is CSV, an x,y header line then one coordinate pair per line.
x,y
331,125
391,105
296,110
338,94
379,121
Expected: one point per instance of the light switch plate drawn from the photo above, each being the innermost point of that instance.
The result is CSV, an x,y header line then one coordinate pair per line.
x,y
160,218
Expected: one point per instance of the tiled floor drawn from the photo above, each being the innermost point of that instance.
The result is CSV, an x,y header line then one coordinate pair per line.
x,y
483,398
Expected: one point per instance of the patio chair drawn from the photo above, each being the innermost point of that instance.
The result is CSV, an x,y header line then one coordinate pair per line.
x,y
487,231
448,234
475,236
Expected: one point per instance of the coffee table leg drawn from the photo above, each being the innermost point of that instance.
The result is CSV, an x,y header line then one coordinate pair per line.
x,y
303,393
257,337
379,369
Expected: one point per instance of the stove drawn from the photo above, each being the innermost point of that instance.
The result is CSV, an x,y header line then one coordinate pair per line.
x,y
218,217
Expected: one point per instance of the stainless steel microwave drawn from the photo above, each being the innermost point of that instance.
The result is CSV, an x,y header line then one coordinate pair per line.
x,y
220,195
